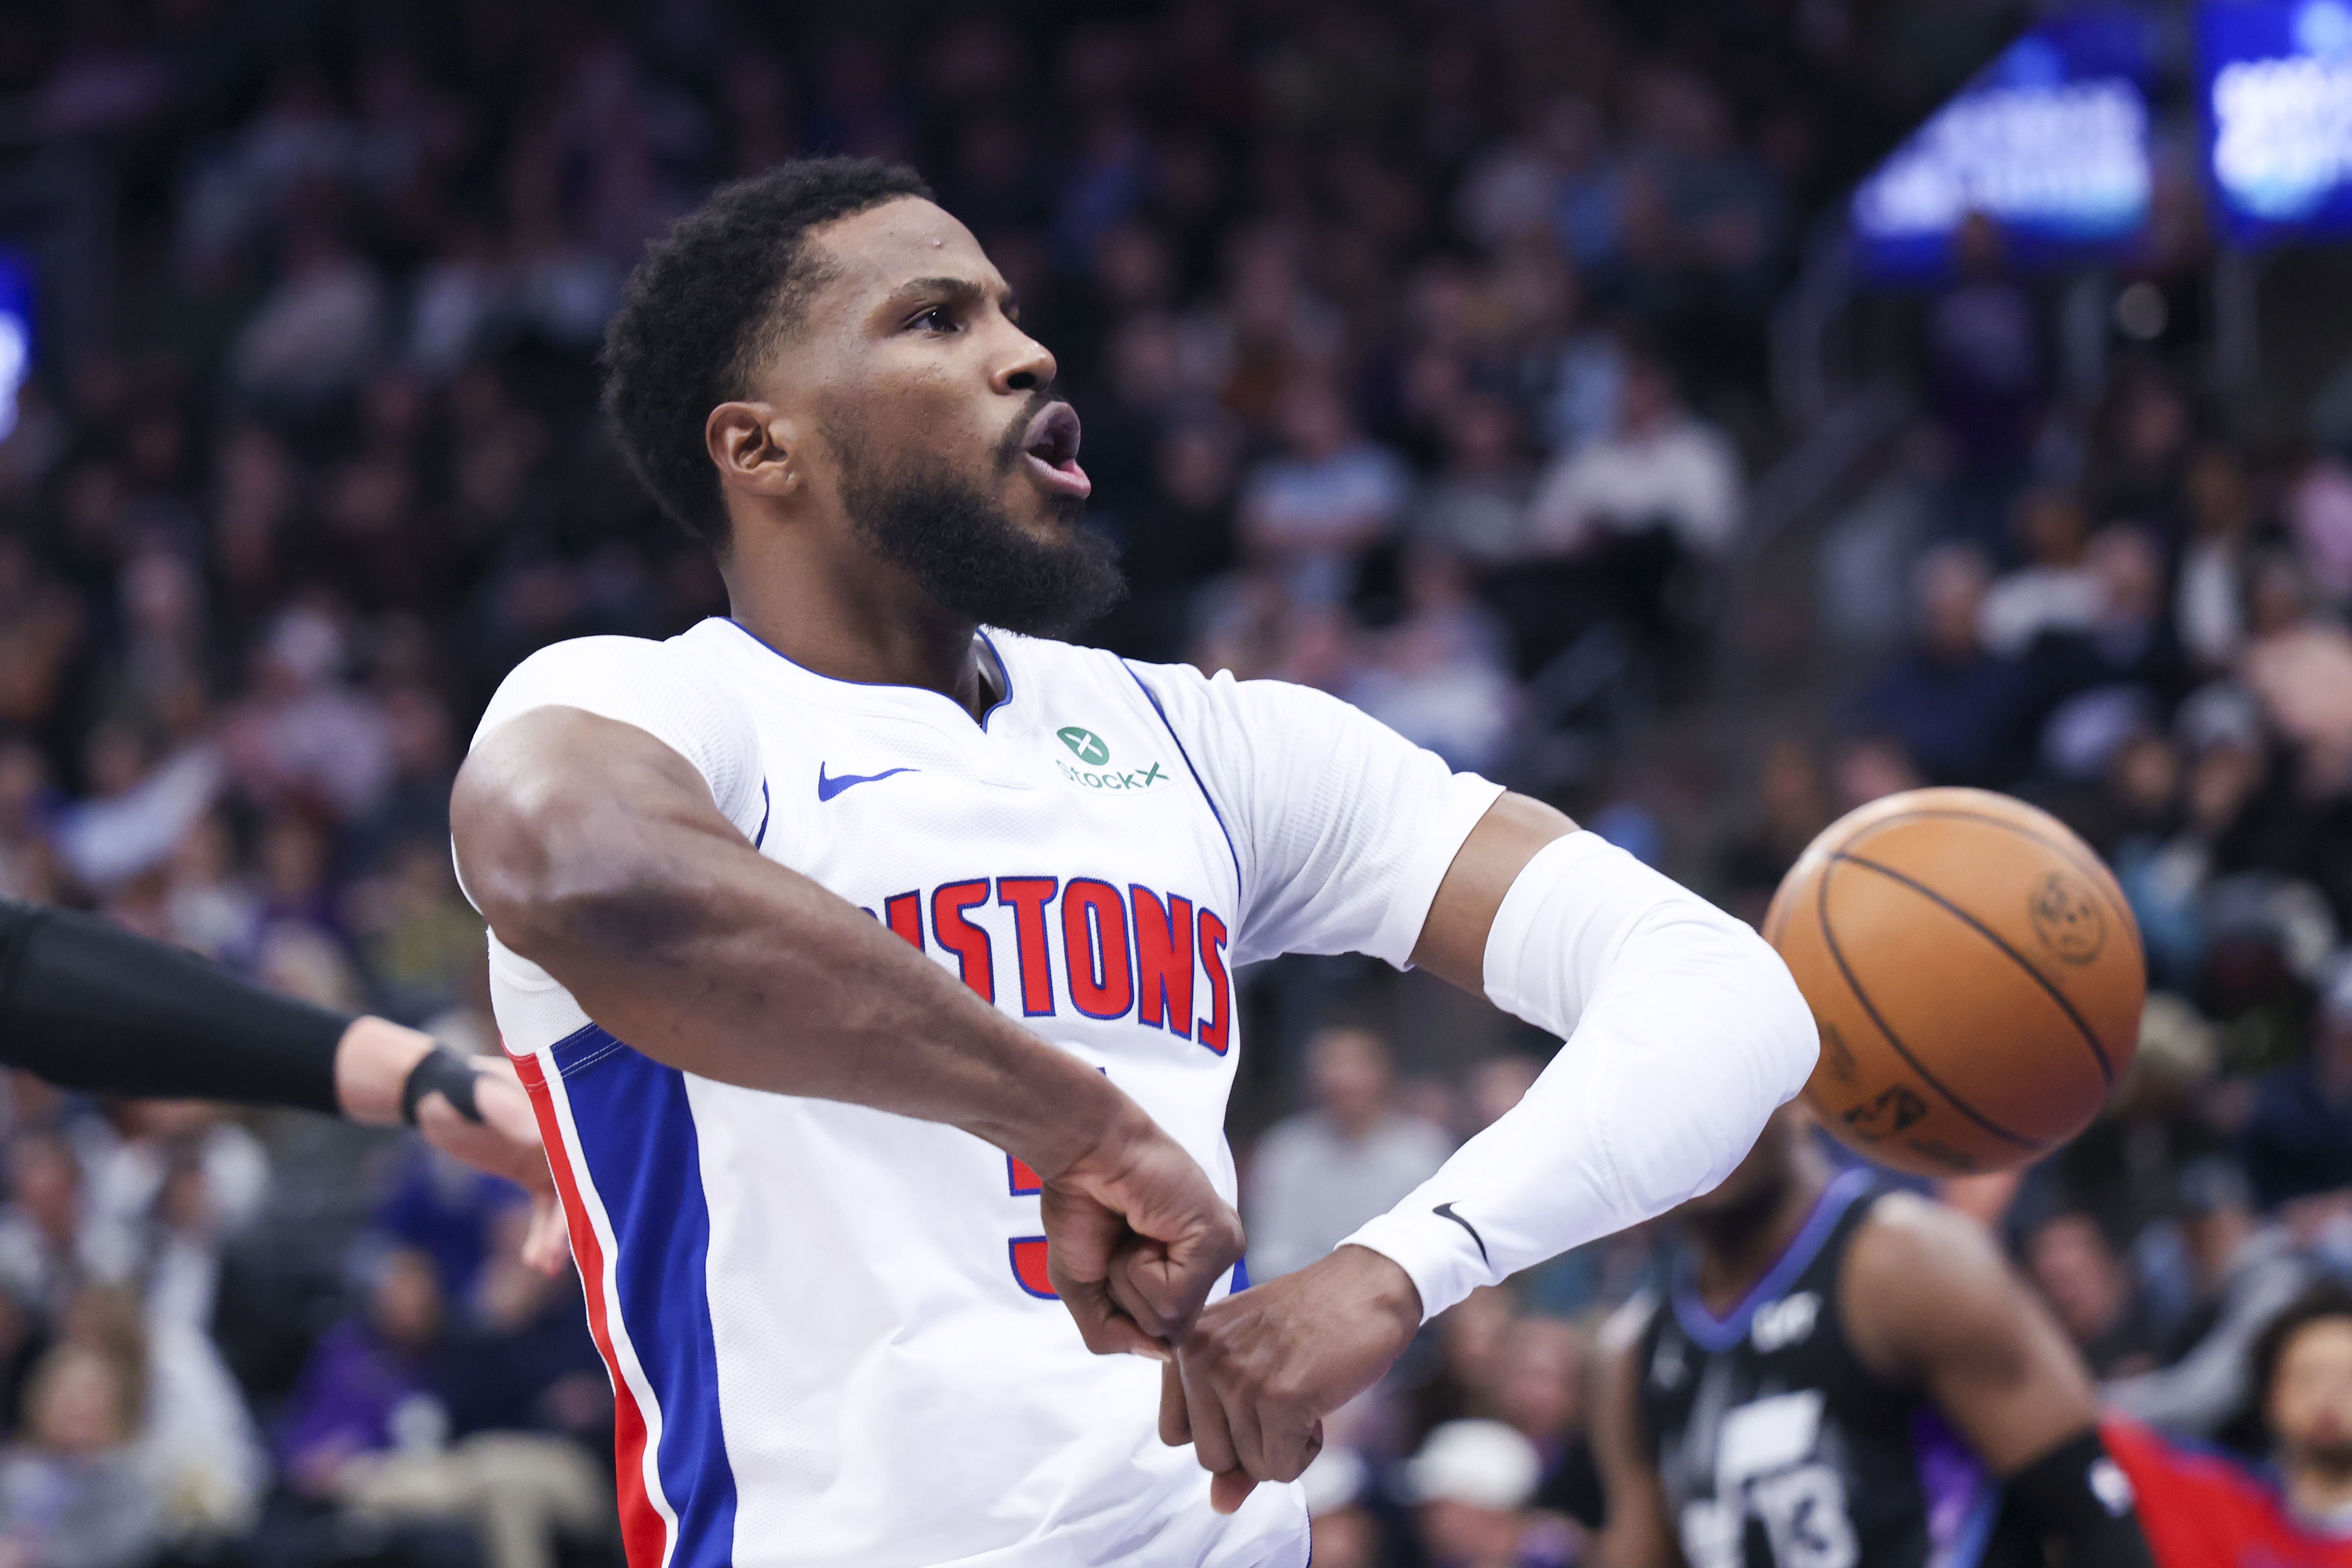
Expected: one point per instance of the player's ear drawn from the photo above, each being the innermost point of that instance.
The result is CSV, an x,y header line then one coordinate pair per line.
x,y
756,448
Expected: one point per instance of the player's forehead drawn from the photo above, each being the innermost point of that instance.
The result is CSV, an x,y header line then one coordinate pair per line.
x,y
874,255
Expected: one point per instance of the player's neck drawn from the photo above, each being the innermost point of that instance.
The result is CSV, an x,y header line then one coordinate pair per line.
x,y
872,627
1736,1249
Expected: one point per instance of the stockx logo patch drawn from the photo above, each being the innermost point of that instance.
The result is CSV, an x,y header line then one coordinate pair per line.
x,y
1097,770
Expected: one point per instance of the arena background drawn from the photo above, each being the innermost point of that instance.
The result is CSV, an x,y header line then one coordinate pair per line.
x,y
1708,416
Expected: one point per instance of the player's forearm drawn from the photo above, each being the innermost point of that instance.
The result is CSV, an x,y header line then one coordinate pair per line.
x,y
675,935
1684,1032
87,1004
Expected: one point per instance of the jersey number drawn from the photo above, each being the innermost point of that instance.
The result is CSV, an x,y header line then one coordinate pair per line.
x,y
1803,1513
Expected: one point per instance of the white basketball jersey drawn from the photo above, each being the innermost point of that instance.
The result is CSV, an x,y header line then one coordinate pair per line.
x,y
829,1328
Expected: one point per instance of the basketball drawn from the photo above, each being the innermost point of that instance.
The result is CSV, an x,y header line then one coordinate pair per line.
x,y
1976,974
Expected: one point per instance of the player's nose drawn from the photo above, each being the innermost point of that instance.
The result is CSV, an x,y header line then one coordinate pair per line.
x,y
1028,365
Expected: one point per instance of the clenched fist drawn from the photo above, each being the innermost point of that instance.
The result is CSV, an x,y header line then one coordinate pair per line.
x,y
1259,1372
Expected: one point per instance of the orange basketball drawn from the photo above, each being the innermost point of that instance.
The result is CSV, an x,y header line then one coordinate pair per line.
x,y
1976,974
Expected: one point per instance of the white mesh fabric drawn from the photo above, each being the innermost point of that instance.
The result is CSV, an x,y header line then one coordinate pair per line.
x,y
1343,827
653,687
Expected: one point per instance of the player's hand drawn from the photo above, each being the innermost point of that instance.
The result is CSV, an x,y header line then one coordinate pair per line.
x,y
505,1142
1254,1379
1136,1237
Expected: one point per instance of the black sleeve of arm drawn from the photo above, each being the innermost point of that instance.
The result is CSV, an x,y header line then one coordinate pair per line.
x,y
2078,1494
89,1006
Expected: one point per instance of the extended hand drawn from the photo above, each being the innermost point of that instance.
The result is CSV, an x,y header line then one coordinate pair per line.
x,y
1136,1237
1254,1379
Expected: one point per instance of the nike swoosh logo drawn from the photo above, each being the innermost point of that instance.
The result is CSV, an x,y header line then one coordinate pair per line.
x,y
1445,1210
827,788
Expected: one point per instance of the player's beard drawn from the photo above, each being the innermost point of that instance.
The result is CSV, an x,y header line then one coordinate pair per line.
x,y
963,549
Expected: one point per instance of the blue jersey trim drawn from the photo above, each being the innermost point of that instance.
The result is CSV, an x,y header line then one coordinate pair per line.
x,y
767,808
1967,1546
1003,668
1153,697
638,1138
1714,1334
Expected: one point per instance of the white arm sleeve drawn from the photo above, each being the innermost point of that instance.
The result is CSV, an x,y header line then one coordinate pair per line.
x,y
1684,1032
660,690
1342,828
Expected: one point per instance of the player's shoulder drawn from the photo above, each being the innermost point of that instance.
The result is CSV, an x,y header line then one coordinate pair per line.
x,y
612,651
1903,1231
1916,1262
1223,699
619,676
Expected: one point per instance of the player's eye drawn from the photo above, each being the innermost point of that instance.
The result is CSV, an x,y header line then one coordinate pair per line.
x,y
938,318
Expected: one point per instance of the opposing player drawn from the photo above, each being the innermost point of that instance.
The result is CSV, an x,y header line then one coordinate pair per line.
x,y
89,1006
1842,1375
870,956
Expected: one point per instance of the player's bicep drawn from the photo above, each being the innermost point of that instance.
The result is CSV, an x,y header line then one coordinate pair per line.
x,y
1636,1532
1453,942
558,800
1931,1297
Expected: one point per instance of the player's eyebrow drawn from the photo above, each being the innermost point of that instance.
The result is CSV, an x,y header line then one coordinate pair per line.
x,y
965,292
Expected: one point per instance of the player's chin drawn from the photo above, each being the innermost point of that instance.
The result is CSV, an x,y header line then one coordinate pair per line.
x,y
1043,514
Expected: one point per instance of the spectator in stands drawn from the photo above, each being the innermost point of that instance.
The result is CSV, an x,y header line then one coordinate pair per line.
x,y
2053,591
1955,709
1476,507
1660,473
2199,1507
1791,806
1438,677
2095,687
2139,447
2299,1139
51,1242
1985,368
1176,533
74,1494
1469,1487
2074,1265
2246,1272
1319,1175
1538,1392
2208,600
1332,495
369,1427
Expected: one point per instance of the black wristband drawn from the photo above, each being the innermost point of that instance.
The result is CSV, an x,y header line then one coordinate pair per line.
x,y
443,1070
2076,1493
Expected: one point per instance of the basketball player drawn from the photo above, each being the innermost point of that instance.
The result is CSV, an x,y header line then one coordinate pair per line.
x,y
1844,1375
869,955
89,1006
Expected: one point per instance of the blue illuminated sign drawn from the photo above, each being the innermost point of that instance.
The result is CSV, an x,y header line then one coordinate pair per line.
x,y
2050,140
2275,78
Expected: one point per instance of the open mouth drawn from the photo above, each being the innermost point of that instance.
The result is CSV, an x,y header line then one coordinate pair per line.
x,y
1051,450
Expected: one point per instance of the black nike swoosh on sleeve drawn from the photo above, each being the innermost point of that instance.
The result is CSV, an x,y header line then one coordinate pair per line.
x,y
1445,1210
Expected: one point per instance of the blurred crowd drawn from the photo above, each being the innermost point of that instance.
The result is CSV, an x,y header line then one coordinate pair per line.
x,y
1420,349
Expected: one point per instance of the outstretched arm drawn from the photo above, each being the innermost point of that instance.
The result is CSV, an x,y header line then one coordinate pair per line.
x,y
90,1006
1929,1301
597,852
1683,1032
